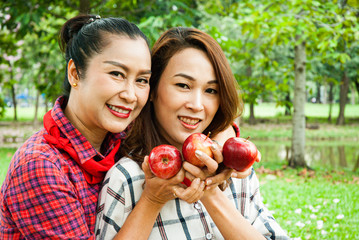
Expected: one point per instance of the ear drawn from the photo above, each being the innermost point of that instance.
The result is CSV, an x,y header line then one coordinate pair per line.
x,y
72,75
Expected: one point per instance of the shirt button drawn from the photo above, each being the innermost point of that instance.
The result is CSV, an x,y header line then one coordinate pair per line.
x,y
209,236
197,206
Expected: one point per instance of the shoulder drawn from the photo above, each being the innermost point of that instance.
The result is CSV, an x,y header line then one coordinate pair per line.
x,y
125,170
34,150
35,159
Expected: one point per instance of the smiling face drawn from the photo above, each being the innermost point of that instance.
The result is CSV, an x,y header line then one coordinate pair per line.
x,y
113,90
187,97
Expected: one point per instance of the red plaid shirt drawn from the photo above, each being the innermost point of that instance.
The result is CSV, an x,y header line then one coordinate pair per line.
x,y
45,194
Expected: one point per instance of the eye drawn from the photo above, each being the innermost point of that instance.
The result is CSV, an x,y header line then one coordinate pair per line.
x,y
211,91
117,74
182,85
143,81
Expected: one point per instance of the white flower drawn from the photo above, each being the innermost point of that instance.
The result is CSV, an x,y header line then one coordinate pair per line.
x,y
336,200
320,224
340,216
313,216
336,225
324,232
300,224
298,211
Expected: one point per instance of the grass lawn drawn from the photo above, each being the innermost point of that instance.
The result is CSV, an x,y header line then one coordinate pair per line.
x,y
5,157
311,110
320,205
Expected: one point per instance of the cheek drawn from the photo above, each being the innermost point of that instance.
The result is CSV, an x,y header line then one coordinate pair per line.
x,y
142,97
212,108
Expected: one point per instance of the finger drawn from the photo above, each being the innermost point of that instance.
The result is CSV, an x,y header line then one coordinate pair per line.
x,y
194,171
217,153
192,193
219,178
178,177
189,176
246,173
146,167
195,191
210,163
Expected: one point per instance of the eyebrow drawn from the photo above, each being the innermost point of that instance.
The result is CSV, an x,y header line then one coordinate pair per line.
x,y
118,64
191,78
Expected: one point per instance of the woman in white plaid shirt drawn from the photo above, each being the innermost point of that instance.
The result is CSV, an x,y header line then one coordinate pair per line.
x,y
192,90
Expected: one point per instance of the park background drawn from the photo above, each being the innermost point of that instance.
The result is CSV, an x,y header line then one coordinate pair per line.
x,y
296,63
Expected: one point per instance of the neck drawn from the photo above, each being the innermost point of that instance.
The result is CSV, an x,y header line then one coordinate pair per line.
x,y
95,136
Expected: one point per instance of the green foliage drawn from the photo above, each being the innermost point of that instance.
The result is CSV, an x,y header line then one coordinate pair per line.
x,y
257,37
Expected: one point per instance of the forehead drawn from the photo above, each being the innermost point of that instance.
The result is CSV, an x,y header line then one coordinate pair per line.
x,y
125,49
191,61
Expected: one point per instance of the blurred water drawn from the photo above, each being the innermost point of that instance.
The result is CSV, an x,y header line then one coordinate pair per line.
x,y
331,154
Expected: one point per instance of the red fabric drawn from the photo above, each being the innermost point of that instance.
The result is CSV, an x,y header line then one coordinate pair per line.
x,y
94,171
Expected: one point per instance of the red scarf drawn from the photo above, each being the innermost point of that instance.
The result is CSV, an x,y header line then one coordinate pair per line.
x,y
94,171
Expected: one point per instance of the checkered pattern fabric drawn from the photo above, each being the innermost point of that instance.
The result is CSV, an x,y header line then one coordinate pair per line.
x,y
45,195
178,219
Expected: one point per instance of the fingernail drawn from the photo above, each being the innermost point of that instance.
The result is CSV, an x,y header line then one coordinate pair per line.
x,y
208,181
198,153
214,146
234,174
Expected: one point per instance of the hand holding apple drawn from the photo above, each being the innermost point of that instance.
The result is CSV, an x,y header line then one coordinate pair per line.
x,y
165,161
240,154
196,141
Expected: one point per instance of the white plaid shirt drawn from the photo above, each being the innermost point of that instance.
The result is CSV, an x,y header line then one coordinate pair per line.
x,y
178,219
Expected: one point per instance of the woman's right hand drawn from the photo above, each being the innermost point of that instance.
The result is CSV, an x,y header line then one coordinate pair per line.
x,y
159,191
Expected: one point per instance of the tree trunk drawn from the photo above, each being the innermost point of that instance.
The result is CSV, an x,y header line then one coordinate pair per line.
x,y
252,119
356,83
13,95
344,89
342,157
298,135
331,97
287,105
36,121
356,166
84,6
318,93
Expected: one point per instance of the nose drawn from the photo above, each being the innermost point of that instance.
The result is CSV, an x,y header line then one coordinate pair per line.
x,y
128,92
195,101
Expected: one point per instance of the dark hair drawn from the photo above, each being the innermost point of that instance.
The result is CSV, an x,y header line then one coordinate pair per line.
x,y
144,135
84,35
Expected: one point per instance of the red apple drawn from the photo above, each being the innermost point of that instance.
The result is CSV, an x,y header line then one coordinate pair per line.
x,y
239,153
196,141
165,161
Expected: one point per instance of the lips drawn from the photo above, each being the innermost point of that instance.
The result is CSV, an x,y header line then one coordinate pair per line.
x,y
119,111
190,123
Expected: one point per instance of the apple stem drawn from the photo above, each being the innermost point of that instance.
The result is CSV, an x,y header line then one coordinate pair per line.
x,y
209,133
248,137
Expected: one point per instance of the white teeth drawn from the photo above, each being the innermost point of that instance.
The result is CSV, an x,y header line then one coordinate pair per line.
x,y
189,120
119,110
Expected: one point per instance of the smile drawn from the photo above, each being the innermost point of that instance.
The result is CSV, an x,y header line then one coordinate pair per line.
x,y
121,112
190,121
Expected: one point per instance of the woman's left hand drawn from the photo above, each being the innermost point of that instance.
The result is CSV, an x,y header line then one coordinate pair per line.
x,y
209,173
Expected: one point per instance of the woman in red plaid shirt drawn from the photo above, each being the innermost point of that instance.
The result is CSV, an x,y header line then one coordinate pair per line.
x,y
53,181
